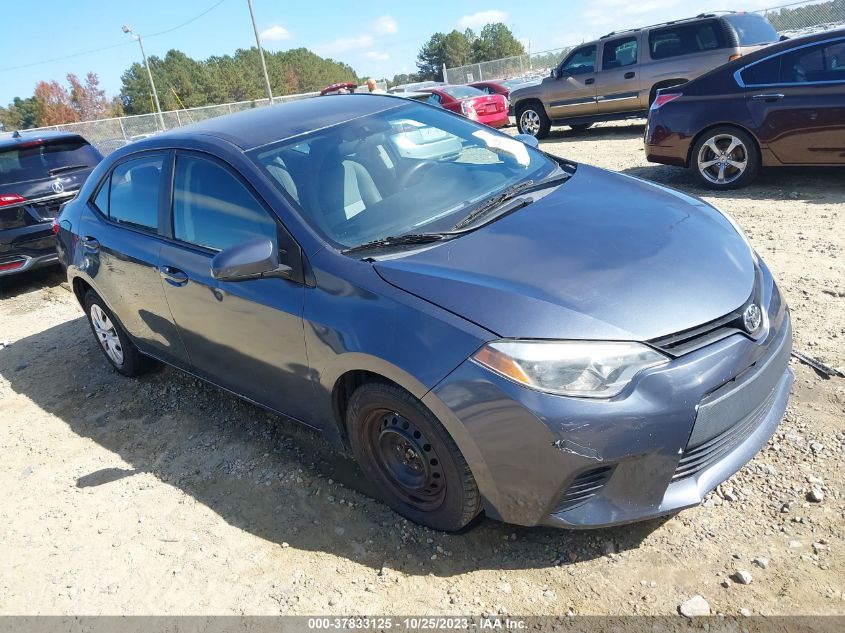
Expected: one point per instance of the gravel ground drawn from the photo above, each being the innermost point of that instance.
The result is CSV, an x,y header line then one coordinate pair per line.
x,y
164,495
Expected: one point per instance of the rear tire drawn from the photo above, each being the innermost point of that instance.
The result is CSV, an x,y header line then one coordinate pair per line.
x,y
115,344
531,119
725,158
412,460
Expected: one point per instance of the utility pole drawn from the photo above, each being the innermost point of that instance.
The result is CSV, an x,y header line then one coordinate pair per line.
x,y
260,53
135,36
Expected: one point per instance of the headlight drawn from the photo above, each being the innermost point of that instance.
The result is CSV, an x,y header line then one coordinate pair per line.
x,y
588,369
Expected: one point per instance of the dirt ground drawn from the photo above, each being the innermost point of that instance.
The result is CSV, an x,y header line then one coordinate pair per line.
x,y
164,495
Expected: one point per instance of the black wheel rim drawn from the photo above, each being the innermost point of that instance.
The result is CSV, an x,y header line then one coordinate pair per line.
x,y
407,460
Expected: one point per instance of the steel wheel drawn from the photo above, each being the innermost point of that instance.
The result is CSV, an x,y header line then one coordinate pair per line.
x,y
530,122
106,334
723,159
408,460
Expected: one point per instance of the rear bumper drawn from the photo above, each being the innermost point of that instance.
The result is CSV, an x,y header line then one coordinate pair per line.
x,y
579,463
500,119
663,145
27,248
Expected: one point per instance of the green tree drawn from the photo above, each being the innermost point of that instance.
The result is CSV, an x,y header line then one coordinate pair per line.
x,y
495,42
20,114
452,49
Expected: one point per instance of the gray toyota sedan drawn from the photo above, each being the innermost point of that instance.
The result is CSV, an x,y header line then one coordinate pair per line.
x,y
487,328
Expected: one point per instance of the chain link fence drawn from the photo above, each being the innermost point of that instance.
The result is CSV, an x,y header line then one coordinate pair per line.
x,y
108,135
797,18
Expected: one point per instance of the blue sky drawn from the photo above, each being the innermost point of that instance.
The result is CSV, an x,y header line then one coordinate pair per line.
x,y
376,37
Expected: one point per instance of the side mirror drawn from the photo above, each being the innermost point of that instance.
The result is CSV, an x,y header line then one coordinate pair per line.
x,y
529,140
253,259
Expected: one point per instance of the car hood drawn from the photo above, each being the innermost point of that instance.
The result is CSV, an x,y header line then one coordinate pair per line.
x,y
605,256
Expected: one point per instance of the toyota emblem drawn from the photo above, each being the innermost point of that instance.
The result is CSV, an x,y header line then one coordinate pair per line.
x,y
57,186
752,318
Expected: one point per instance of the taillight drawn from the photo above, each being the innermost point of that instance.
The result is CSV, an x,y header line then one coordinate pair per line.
x,y
7,199
55,225
12,265
468,108
663,99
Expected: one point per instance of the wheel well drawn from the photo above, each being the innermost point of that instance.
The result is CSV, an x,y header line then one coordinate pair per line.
x,y
713,127
529,101
343,389
80,287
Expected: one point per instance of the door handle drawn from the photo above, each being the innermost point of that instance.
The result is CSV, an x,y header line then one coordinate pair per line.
x,y
89,243
630,74
173,276
589,81
774,96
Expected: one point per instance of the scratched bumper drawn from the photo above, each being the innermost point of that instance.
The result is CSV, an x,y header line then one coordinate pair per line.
x,y
529,450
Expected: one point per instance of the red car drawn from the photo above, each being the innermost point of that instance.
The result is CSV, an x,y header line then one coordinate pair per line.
x,y
343,88
471,102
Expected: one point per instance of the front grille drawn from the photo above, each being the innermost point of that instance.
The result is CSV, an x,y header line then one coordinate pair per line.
x,y
729,415
695,338
584,487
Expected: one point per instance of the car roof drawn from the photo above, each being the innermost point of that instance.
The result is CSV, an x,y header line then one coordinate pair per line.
x,y
262,125
11,139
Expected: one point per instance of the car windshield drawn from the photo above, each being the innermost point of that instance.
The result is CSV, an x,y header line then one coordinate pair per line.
x,y
462,92
36,159
409,169
752,29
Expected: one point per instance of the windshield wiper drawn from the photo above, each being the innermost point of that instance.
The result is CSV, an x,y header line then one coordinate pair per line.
x,y
56,170
509,194
398,240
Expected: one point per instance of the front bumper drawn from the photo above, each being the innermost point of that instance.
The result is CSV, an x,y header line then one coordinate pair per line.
x,y
25,248
570,462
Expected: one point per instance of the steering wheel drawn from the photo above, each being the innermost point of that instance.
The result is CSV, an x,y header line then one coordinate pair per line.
x,y
415,171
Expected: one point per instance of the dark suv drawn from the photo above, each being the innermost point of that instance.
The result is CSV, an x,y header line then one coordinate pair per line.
x,y
617,76
38,173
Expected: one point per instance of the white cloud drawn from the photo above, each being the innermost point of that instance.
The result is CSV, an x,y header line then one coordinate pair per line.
x,y
378,56
275,33
385,25
346,44
482,18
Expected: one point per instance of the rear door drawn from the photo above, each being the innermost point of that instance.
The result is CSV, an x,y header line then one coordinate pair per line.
x,y
573,92
246,336
119,242
618,86
797,102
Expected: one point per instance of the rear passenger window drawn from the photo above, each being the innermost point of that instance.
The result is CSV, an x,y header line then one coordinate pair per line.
x,y
212,209
809,64
134,193
685,39
619,54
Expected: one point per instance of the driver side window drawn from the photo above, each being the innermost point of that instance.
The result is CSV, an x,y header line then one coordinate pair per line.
x,y
581,62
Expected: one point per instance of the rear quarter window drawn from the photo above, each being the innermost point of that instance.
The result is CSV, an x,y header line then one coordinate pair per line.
x,y
686,39
134,193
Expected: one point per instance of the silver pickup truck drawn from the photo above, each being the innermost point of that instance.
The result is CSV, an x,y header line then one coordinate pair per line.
x,y
617,76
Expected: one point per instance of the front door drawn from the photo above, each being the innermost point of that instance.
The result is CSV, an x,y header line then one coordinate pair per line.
x,y
618,82
245,336
573,92
797,102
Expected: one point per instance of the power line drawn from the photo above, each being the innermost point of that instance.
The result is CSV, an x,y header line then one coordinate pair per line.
x,y
112,46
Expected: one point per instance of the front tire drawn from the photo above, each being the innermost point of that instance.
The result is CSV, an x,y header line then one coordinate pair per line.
x,y
725,158
531,119
413,461
115,344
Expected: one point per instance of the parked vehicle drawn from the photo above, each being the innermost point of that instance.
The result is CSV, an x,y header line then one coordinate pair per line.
x,y
342,88
617,76
503,88
413,87
784,105
539,339
39,171
470,102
